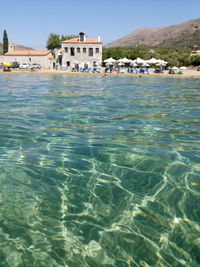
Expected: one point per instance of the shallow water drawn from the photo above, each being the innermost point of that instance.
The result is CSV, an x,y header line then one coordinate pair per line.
x,y
99,171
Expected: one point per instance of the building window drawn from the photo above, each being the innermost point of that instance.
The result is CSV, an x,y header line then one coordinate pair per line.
x,y
66,49
90,52
68,63
72,51
78,50
97,50
84,50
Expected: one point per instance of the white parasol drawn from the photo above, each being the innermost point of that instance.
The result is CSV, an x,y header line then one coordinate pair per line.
x,y
125,60
183,68
110,60
174,68
153,61
140,61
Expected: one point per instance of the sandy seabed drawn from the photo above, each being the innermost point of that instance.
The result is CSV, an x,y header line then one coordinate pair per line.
x,y
190,73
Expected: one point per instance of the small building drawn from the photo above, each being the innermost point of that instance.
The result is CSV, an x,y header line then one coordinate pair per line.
x,y
81,52
43,57
195,53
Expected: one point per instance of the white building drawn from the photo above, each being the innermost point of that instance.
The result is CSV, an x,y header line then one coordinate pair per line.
x,y
81,52
195,53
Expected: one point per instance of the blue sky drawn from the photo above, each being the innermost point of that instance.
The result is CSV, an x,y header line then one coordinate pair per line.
x,y
29,22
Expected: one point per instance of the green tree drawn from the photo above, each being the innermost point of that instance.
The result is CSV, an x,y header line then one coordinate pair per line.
x,y
53,41
195,60
5,42
67,37
175,56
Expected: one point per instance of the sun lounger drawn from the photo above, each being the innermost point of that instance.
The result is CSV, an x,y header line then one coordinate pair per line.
x,y
94,70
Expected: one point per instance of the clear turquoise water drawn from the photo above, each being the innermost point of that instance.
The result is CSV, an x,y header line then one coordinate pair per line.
x,y
99,171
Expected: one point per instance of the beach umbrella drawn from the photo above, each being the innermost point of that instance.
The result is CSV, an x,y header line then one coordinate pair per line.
x,y
110,60
174,68
183,68
7,64
133,64
164,62
109,64
120,64
140,61
125,60
161,62
120,60
152,61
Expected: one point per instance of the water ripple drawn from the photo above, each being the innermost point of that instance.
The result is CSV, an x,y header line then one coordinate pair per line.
x,y
99,172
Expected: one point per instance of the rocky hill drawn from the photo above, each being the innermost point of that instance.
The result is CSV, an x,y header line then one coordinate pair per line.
x,y
183,34
16,47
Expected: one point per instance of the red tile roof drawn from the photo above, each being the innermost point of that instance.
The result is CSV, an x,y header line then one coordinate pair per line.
x,y
87,41
28,53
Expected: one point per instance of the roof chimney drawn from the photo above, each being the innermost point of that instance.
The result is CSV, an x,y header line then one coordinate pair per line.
x,y
99,38
81,37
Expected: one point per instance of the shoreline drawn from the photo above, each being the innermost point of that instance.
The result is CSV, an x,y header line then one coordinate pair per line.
x,y
186,73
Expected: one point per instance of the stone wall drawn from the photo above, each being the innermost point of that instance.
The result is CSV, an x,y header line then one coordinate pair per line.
x,y
46,62
81,57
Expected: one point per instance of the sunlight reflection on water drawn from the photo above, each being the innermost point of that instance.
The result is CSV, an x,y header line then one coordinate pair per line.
x,y
99,172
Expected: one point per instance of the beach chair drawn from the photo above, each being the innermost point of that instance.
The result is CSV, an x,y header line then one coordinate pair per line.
x,y
94,70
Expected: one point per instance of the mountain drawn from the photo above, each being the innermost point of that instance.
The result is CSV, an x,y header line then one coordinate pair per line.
x,y
16,47
21,47
183,34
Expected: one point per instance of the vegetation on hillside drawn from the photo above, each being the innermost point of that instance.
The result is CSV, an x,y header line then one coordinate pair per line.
x,y
54,40
175,56
191,40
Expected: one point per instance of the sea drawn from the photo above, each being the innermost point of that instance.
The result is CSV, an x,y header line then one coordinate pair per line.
x,y
99,171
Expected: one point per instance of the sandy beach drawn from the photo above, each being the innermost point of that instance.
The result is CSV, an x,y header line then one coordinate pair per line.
x,y
190,73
